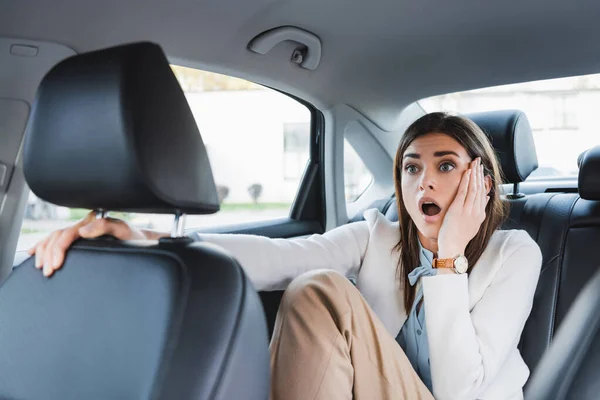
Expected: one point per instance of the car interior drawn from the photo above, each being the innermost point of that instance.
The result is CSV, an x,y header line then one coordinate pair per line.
x,y
92,117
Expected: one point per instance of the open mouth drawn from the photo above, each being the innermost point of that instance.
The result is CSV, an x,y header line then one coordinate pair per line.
x,y
429,207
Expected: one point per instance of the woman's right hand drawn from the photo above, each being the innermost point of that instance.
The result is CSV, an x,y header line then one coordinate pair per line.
x,y
50,252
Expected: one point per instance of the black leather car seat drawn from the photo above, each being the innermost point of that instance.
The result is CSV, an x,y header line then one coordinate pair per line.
x,y
570,367
168,319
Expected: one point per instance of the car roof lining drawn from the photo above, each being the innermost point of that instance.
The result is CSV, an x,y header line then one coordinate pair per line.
x,y
377,57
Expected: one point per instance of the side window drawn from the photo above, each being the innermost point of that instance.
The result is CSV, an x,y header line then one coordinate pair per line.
x,y
357,177
257,141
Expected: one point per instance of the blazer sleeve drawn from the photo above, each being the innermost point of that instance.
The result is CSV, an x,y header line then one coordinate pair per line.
x,y
468,347
271,264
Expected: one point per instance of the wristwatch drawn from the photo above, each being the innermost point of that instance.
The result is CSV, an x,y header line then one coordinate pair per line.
x,y
459,264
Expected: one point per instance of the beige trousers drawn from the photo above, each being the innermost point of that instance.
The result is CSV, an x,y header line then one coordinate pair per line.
x,y
329,344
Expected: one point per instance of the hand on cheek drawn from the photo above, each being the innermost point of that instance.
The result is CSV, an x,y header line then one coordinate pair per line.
x,y
466,213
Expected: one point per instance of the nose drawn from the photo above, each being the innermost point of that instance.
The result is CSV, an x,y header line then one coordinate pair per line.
x,y
427,181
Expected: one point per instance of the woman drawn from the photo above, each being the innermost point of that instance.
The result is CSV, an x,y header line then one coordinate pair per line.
x,y
441,297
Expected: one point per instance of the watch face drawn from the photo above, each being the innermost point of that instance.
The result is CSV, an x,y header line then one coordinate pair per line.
x,y
461,264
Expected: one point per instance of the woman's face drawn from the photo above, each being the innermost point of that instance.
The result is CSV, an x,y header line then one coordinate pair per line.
x,y
432,168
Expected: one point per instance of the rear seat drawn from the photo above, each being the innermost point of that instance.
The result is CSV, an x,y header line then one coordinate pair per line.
x,y
569,369
558,222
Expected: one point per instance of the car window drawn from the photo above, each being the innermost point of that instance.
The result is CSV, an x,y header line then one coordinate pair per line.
x,y
562,113
258,143
357,177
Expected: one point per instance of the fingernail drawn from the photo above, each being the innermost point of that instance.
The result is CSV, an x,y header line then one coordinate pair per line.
x,y
46,271
55,260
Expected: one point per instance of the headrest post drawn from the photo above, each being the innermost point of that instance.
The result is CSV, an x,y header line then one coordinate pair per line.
x,y
515,194
100,213
178,225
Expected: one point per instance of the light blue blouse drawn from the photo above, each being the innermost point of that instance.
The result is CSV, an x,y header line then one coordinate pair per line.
x,y
413,335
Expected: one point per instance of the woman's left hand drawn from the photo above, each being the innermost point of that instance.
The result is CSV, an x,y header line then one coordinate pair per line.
x,y
466,213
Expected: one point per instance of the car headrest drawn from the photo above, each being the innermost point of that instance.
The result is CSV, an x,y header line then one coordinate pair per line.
x,y
512,138
112,130
580,158
589,174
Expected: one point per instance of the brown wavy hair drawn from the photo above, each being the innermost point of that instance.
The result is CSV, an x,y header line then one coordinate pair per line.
x,y
477,144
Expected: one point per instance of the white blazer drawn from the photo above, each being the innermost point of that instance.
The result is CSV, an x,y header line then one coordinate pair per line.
x,y
473,323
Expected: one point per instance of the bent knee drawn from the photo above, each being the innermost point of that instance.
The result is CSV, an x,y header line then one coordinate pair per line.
x,y
318,284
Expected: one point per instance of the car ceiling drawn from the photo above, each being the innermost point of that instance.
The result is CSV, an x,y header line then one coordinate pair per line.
x,y
378,56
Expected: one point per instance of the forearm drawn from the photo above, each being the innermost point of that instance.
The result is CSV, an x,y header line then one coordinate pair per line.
x,y
272,263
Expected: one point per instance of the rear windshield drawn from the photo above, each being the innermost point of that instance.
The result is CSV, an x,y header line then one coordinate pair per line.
x,y
562,112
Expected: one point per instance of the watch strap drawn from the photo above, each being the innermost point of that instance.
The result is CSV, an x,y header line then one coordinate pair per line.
x,y
443,263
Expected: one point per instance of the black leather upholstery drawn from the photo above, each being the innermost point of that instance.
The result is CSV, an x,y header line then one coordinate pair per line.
x,y
546,218
120,321
569,233
580,158
580,254
511,136
589,174
569,370
92,112
172,319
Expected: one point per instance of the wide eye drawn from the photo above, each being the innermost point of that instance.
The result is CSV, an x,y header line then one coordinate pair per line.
x,y
446,167
411,169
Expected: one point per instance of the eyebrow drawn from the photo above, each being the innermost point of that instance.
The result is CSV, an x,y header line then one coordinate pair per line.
x,y
445,153
412,155
436,154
